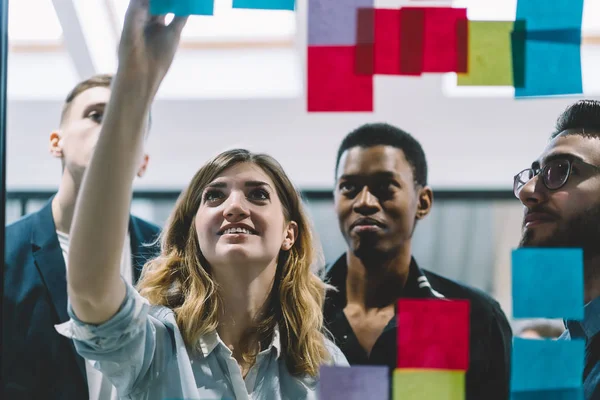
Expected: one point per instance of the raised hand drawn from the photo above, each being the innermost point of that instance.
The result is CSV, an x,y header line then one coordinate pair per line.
x,y
147,46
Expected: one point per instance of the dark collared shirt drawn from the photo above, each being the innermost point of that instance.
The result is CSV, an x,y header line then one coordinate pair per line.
x,y
488,377
588,330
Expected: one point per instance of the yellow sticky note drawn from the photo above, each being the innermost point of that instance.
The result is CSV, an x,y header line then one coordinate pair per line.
x,y
490,58
428,384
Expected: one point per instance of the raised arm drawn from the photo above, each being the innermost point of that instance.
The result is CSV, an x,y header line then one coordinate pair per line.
x,y
146,51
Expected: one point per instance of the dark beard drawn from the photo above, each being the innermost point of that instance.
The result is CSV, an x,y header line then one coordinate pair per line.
x,y
581,231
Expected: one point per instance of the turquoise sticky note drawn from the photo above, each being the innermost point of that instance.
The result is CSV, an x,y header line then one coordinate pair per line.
x,y
562,394
182,8
545,364
547,283
541,15
552,63
265,4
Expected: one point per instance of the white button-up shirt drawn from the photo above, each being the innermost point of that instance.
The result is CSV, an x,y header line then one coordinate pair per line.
x,y
142,352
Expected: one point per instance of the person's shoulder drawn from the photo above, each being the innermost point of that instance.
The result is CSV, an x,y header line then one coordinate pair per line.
x,y
337,357
18,234
21,225
146,226
451,289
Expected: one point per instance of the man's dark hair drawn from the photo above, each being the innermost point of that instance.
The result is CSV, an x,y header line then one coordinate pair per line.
x,y
583,117
382,134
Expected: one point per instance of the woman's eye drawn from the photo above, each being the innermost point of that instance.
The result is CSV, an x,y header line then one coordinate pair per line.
x,y
212,195
95,116
259,194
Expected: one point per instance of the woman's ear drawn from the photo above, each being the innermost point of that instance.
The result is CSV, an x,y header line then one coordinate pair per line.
x,y
425,202
291,234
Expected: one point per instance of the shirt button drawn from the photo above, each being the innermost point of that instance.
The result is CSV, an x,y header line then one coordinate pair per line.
x,y
345,337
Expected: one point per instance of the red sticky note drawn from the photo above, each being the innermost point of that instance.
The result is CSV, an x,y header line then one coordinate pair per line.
x,y
365,25
433,334
433,39
441,44
462,46
332,82
412,36
387,42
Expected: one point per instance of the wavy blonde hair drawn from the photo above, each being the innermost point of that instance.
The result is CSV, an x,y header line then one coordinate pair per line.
x,y
180,278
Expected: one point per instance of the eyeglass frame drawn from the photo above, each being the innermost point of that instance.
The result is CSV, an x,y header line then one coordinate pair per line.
x,y
569,159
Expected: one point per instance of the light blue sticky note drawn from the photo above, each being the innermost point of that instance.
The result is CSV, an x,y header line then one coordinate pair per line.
x,y
357,383
182,8
547,283
550,15
552,66
546,364
562,394
265,4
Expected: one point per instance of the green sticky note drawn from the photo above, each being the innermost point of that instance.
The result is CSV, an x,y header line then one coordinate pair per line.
x,y
428,384
490,58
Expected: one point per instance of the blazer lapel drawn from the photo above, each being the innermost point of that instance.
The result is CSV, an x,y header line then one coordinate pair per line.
x,y
51,265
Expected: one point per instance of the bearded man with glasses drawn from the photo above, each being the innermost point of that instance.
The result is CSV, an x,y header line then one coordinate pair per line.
x,y
561,195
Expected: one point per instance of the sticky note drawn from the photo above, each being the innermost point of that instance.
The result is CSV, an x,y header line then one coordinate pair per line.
x,y
550,15
434,38
182,7
265,4
545,364
552,63
364,60
563,394
518,53
333,22
386,45
412,36
433,334
332,82
489,54
441,49
355,383
428,385
547,283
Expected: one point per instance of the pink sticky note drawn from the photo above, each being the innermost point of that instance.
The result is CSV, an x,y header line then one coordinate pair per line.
x,y
433,334
333,82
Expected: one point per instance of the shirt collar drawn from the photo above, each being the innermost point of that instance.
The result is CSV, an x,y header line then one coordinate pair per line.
x,y
590,326
211,340
417,284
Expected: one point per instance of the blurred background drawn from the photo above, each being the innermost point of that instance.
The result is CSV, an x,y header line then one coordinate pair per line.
x,y
239,80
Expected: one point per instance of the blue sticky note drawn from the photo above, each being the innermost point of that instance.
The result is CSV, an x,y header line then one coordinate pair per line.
x,y
182,8
550,15
545,364
547,283
551,67
563,394
356,383
265,4
334,22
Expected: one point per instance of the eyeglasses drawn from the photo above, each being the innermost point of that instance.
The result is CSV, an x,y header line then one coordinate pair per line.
x,y
555,174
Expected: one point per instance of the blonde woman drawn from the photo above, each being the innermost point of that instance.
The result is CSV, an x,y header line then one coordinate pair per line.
x,y
231,308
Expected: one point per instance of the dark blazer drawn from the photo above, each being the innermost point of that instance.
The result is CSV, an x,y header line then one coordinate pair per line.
x,y
37,362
